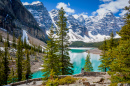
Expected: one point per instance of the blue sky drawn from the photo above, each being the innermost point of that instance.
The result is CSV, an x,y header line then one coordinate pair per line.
x,y
85,7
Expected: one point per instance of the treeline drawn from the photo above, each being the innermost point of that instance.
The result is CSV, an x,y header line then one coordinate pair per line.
x,y
116,55
8,73
95,44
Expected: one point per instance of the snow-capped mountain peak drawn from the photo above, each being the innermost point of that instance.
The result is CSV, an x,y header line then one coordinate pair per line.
x,y
90,29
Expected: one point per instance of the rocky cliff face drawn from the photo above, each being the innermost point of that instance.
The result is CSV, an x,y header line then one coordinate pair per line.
x,y
41,15
15,17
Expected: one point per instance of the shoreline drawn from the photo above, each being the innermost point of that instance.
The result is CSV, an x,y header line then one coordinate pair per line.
x,y
95,51
37,66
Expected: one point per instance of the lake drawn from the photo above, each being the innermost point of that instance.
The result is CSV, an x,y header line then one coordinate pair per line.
x,y
78,56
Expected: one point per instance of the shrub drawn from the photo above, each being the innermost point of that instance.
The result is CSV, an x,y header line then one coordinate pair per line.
x,y
56,82
67,80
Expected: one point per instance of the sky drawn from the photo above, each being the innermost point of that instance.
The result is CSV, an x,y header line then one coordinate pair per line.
x,y
85,7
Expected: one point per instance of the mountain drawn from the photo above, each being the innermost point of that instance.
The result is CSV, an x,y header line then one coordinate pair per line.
x,y
14,17
90,29
76,30
104,24
40,14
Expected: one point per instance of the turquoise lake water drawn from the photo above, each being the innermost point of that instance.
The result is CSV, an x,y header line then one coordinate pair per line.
x,y
78,57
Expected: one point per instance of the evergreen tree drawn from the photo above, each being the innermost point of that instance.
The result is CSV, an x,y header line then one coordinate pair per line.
x,y
14,40
120,67
108,55
1,40
103,57
8,44
25,43
12,76
66,67
111,42
2,74
88,65
28,66
6,64
19,55
51,60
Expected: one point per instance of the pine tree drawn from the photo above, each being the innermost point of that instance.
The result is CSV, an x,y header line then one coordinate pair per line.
x,y
1,40
108,59
2,74
19,55
51,60
6,64
14,40
28,66
103,58
88,65
66,67
25,43
120,67
8,44
12,76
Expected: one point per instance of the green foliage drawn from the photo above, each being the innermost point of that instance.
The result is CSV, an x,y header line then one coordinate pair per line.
x,y
2,74
103,59
83,44
67,80
88,65
14,41
28,66
62,81
1,40
120,69
66,67
19,61
8,44
52,82
12,76
117,57
99,45
107,57
51,60
6,64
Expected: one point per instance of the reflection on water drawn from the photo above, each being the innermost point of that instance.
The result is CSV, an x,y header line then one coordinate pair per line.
x,y
78,60
78,57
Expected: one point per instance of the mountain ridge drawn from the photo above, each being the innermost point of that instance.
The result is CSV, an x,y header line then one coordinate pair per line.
x,y
14,17
90,29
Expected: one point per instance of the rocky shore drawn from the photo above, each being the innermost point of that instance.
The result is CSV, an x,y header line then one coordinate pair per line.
x,y
95,51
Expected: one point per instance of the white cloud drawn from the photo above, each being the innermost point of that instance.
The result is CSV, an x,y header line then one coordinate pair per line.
x,y
106,0
65,6
114,6
35,2
123,12
26,3
68,4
